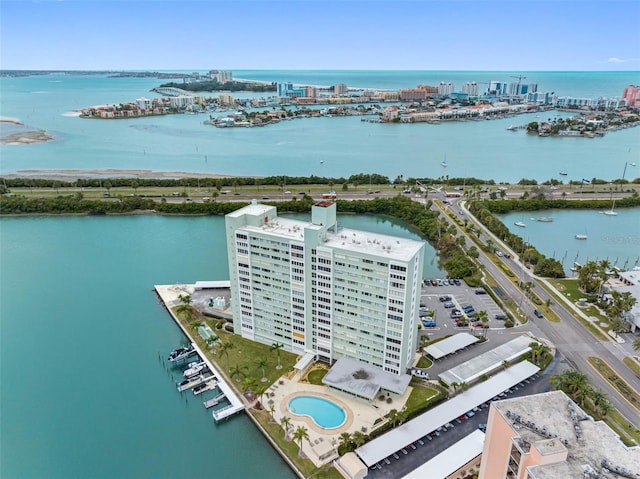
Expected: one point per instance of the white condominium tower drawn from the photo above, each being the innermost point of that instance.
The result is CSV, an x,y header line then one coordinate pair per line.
x,y
322,290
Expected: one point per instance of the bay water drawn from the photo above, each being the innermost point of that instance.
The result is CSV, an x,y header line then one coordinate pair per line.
x,y
338,146
85,391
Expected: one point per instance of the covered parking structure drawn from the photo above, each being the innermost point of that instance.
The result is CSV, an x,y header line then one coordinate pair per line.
x,y
394,440
450,345
451,459
472,370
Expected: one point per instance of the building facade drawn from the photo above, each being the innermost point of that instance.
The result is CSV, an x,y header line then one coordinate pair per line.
x,y
547,436
320,289
632,95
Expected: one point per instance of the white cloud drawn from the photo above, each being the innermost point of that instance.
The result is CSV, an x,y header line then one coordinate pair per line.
x,y
619,60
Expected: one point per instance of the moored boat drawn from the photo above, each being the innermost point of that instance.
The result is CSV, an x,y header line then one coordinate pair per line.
x,y
194,369
581,237
520,224
545,219
181,353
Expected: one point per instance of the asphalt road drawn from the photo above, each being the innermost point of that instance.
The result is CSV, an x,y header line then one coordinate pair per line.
x,y
573,341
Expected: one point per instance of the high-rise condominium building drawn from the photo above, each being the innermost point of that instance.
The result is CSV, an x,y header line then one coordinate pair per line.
x,y
632,95
319,289
547,436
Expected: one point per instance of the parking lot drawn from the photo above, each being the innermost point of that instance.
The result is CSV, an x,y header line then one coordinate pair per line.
x,y
448,299
414,455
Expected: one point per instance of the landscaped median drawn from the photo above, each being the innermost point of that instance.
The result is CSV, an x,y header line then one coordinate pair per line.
x,y
631,395
633,364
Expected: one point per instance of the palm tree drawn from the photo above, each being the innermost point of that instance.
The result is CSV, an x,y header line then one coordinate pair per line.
x,y
394,416
262,363
484,319
224,348
237,372
300,434
505,364
600,399
272,411
261,390
359,438
211,341
636,344
185,307
248,383
286,424
277,347
536,351
345,442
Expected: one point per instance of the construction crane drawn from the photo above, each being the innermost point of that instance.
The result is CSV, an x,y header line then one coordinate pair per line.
x,y
520,78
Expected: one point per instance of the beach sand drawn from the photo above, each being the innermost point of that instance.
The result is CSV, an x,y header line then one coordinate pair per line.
x,y
25,136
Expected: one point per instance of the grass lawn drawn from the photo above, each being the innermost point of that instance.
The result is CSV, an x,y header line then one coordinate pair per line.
x,y
633,364
419,396
424,362
617,382
315,376
244,355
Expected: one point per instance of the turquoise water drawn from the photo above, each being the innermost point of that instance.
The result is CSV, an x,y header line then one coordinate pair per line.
x,y
326,414
314,146
615,238
85,391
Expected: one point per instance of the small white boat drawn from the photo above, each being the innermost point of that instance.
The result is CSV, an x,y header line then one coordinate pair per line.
x,y
194,369
512,128
581,237
612,211
520,224
563,173
545,219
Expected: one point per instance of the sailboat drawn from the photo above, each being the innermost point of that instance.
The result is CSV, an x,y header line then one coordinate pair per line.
x,y
611,212
444,162
580,236
563,172
521,224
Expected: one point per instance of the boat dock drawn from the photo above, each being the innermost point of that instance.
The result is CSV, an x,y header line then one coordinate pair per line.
x,y
168,294
206,386
214,401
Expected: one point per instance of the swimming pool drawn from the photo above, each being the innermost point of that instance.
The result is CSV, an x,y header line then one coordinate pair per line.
x,y
326,414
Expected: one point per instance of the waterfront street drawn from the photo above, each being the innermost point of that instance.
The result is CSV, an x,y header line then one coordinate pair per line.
x,y
572,340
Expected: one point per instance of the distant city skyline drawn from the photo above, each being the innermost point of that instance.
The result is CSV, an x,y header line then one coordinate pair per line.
x,y
343,35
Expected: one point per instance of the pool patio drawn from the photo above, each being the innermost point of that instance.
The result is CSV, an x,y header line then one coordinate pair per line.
x,y
323,443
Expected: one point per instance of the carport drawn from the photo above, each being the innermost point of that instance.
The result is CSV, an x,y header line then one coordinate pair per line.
x,y
394,440
450,345
488,362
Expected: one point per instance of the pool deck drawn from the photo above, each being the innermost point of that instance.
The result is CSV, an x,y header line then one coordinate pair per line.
x,y
360,415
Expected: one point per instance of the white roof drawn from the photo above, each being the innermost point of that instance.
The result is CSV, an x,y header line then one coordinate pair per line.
x,y
304,361
451,459
212,284
487,362
392,441
450,345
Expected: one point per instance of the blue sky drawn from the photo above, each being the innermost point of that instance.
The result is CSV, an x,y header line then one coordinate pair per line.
x,y
379,34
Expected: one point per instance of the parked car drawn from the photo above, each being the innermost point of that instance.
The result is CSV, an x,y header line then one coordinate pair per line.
x,y
538,313
482,427
445,298
455,314
480,291
448,304
429,323
462,324
501,317
457,282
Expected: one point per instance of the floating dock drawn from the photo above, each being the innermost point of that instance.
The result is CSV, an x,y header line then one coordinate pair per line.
x,y
168,296
214,401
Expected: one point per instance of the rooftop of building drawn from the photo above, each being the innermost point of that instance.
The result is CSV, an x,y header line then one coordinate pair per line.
x,y
346,239
552,423
364,380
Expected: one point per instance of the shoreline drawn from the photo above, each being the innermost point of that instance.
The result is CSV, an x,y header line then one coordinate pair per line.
x,y
76,174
